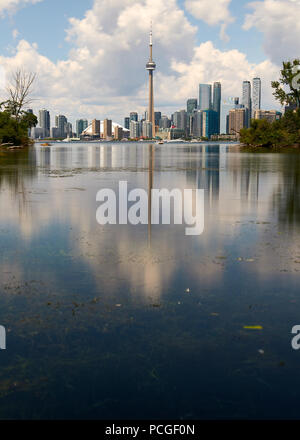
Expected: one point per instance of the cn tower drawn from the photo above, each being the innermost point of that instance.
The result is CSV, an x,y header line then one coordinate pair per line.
x,y
151,66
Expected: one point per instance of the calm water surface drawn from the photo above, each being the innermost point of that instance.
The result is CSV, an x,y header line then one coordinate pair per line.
x,y
126,322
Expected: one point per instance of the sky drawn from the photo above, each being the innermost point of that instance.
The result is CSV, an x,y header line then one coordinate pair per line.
x,y
90,56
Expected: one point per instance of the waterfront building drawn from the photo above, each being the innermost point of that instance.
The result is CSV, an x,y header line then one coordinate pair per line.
x,y
54,133
269,115
191,105
37,132
44,122
196,124
236,121
171,133
107,128
127,123
81,125
157,117
209,123
118,133
217,93
135,129
134,116
165,122
205,97
61,123
180,120
69,130
95,127
147,129
256,102
247,102
151,66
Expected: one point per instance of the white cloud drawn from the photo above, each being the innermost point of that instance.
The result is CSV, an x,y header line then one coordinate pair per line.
x,y
278,20
212,12
13,5
105,75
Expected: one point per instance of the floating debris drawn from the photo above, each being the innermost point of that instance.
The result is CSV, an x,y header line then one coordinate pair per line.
x,y
214,314
253,327
260,351
187,290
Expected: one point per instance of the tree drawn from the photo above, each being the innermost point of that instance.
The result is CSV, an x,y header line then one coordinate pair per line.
x,y
290,77
19,91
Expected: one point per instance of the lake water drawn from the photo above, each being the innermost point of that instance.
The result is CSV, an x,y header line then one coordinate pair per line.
x,y
128,322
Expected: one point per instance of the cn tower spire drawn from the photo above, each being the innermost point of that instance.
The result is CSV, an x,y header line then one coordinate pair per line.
x,y
151,66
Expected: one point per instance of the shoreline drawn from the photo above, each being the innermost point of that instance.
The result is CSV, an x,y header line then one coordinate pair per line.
x,y
271,149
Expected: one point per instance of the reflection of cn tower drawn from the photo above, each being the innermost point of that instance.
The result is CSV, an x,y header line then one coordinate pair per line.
x,y
150,187
150,66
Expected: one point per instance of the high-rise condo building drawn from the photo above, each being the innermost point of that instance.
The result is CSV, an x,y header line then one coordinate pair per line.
x,y
180,120
217,93
107,128
147,129
204,96
134,116
191,105
165,122
96,127
236,121
151,66
135,129
269,115
209,123
196,124
81,125
118,133
69,129
61,124
127,123
44,122
157,117
256,94
247,102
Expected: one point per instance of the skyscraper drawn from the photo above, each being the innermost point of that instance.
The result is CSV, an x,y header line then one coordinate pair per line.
x,y
217,103
107,128
135,129
247,102
165,122
134,116
44,122
180,120
151,66
96,127
191,105
61,124
204,96
256,94
236,121
157,117
209,123
81,124
127,123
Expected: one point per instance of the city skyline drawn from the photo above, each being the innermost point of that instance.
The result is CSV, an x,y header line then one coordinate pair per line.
x,y
80,76
201,118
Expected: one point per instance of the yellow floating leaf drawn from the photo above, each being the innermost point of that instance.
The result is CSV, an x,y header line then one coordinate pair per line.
x,y
253,327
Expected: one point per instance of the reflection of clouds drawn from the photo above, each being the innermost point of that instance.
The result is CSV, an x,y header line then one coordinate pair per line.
x,y
239,189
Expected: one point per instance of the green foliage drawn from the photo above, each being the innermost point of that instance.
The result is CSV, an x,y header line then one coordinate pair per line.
x,y
16,131
283,132
288,80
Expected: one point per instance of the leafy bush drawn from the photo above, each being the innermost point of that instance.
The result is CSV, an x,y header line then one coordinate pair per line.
x,y
283,132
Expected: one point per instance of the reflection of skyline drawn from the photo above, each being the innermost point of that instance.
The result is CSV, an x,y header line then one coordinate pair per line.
x,y
239,188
